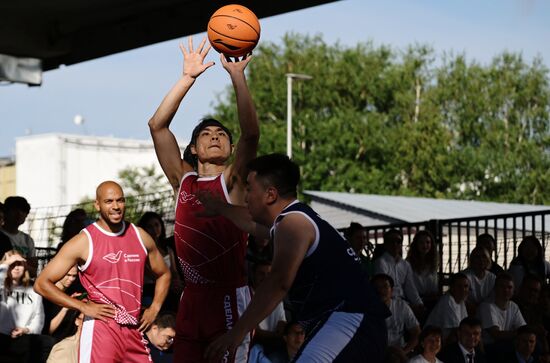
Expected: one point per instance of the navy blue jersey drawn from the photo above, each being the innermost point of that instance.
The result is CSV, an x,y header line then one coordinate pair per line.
x,y
330,277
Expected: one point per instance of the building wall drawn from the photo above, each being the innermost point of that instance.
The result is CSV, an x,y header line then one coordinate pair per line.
x,y
59,169
7,180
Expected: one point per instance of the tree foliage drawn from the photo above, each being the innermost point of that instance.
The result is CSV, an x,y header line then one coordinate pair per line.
x,y
381,121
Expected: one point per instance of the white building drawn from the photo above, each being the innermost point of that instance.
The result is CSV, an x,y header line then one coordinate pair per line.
x,y
60,169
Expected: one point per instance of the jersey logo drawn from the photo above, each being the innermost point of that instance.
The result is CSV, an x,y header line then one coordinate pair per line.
x,y
188,198
113,257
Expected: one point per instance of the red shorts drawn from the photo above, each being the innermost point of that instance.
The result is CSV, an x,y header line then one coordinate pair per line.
x,y
106,342
204,314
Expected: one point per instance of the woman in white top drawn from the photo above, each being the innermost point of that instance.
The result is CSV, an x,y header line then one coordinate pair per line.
x,y
430,344
530,259
21,312
482,281
422,257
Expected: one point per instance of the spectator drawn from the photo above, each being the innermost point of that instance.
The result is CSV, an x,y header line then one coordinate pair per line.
x,y
16,210
153,224
160,337
391,263
527,300
482,281
467,349
271,328
430,343
402,321
66,350
56,320
22,315
422,257
530,259
451,308
357,237
524,344
293,338
74,222
5,242
488,242
501,317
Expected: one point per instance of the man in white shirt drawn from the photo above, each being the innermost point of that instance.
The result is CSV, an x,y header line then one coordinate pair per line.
x,y
451,308
500,318
401,321
392,264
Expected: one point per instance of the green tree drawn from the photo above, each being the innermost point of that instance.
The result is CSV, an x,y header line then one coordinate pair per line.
x,y
379,120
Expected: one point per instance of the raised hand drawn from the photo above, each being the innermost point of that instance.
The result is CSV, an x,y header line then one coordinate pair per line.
x,y
193,59
235,64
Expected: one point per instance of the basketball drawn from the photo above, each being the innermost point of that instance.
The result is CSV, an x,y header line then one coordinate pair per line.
x,y
233,30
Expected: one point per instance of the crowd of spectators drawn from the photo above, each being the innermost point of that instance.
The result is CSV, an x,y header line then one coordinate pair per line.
x,y
482,314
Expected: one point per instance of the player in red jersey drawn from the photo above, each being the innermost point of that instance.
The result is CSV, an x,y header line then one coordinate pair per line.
x,y
111,256
211,251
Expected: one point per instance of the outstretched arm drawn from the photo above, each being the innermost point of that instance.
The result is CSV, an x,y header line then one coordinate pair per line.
x,y
294,236
162,283
73,252
238,215
247,145
166,146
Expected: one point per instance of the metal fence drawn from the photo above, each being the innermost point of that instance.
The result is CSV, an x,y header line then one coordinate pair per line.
x,y
455,238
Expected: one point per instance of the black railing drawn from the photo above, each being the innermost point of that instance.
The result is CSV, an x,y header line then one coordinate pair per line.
x,y
456,237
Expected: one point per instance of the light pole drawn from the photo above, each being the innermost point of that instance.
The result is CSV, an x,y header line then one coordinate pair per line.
x,y
289,77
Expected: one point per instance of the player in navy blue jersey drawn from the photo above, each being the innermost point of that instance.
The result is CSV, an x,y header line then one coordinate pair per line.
x,y
331,297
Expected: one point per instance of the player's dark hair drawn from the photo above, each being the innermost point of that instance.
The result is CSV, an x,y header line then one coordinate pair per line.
x,y
165,320
16,203
278,171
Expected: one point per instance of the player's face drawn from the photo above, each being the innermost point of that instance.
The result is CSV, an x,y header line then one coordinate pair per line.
x,y
111,204
256,194
213,145
469,336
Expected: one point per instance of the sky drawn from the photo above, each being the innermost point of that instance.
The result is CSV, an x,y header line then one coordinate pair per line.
x,y
118,94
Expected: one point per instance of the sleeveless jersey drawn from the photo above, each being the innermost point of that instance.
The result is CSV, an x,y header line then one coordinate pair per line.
x,y
211,250
330,277
113,272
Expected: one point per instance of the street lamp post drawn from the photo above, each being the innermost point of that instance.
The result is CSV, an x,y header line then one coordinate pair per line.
x,y
289,78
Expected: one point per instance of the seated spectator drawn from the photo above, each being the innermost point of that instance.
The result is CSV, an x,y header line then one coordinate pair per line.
x,y
430,344
482,281
271,328
293,338
160,337
488,242
391,263
357,237
501,317
524,347
451,308
530,259
66,350
402,321
56,321
75,222
527,300
22,313
153,224
467,349
423,258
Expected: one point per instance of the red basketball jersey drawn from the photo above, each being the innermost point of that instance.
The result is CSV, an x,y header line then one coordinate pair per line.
x,y
113,272
211,250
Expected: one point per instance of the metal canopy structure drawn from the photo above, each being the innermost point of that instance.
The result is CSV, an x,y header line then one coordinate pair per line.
x,y
65,32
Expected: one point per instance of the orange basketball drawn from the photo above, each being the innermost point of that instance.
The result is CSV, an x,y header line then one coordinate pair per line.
x,y
233,30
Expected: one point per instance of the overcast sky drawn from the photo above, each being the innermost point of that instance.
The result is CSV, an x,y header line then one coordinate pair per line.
x,y
116,95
